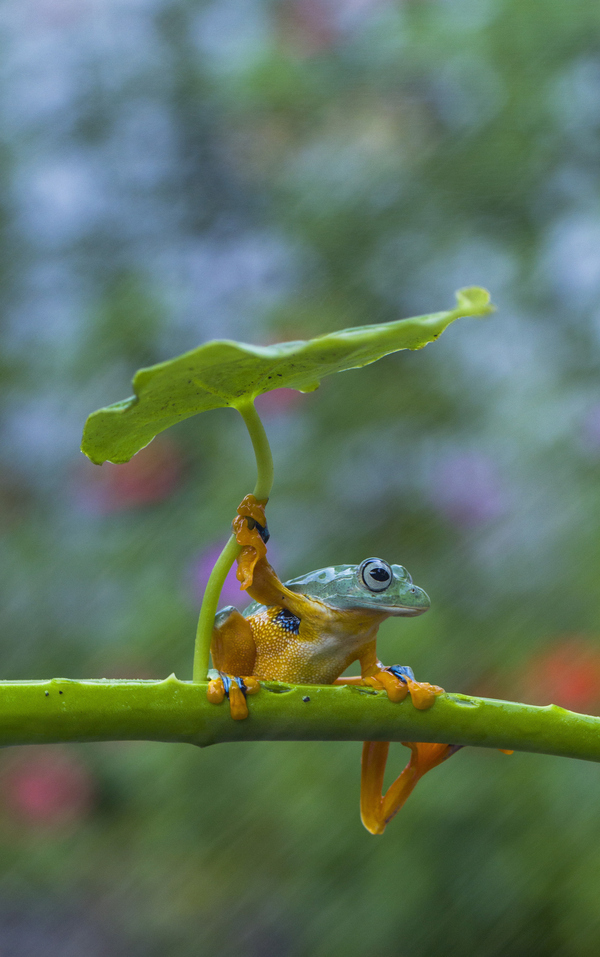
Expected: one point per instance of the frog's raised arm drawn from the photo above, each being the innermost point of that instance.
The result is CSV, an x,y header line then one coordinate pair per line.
x,y
255,574
267,589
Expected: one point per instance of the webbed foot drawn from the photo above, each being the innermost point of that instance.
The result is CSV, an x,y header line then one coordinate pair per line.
x,y
235,688
399,680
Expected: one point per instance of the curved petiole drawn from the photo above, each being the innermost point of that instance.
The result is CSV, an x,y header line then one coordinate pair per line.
x,y
262,490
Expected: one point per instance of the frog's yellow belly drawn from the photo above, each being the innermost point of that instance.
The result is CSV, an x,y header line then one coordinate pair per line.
x,y
304,654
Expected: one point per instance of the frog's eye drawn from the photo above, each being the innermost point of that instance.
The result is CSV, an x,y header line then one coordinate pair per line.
x,y
375,574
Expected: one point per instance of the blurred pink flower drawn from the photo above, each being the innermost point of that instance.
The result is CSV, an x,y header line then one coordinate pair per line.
x,y
467,490
278,401
47,786
310,27
149,477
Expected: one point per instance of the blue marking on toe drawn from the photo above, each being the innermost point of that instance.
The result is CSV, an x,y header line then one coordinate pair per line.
x,y
401,671
227,683
241,685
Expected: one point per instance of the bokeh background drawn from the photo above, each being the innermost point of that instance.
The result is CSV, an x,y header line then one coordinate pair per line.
x,y
175,170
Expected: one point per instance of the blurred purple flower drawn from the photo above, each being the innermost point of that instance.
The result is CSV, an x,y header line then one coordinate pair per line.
x,y
466,489
201,567
591,428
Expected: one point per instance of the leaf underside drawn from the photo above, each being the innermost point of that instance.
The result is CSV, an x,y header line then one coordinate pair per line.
x,y
223,373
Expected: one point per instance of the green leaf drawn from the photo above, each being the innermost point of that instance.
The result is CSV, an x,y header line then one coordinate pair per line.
x,y
225,373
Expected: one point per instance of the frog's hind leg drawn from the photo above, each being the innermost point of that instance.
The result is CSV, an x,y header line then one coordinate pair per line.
x,y
232,645
376,810
233,652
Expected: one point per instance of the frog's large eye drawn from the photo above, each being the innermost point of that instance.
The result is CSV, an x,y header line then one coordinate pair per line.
x,y
375,574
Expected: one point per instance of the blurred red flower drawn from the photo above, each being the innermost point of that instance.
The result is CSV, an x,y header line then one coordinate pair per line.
x,y
47,786
566,674
149,477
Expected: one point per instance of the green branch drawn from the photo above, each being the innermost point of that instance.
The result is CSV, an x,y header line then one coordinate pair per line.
x,y
34,712
262,490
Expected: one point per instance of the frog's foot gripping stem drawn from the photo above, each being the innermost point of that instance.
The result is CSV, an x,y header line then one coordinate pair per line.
x,y
376,810
235,688
399,680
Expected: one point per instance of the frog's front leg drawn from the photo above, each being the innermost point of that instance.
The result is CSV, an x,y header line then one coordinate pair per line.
x,y
397,680
233,652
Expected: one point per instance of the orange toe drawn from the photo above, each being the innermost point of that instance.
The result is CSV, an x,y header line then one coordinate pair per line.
x,y
216,691
395,688
422,693
237,702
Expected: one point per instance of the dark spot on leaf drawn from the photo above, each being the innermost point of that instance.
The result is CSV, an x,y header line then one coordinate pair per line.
x,y
306,698
60,692
46,693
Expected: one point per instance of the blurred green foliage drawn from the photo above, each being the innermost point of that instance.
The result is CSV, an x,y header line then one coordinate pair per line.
x,y
174,171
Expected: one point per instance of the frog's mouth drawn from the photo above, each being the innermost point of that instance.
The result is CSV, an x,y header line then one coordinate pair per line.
x,y
403,611
399,611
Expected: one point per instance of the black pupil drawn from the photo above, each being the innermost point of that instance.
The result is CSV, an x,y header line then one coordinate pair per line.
x,y
379,574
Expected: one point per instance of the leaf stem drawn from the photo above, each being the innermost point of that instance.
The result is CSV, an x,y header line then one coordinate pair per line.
x,y
262,490
262,450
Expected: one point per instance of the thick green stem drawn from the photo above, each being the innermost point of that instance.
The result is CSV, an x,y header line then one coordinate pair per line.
x,y
36,712
262,490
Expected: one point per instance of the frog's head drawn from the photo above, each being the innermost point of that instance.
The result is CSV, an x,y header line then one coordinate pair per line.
x,y
373,584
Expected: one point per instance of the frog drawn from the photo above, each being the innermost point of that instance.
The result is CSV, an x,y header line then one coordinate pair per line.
x,y
308,630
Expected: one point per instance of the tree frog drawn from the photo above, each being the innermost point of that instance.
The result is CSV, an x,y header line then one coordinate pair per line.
x,y
307,631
